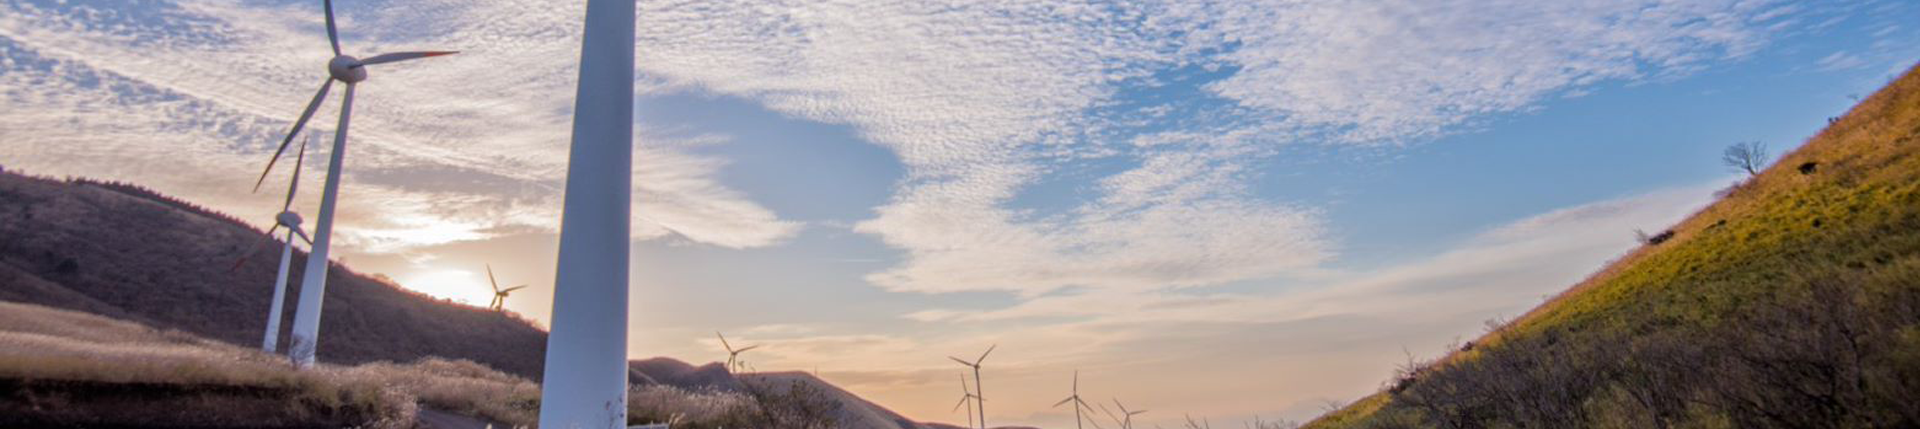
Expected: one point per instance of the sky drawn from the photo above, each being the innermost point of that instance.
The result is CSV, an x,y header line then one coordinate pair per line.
x,y
1226,209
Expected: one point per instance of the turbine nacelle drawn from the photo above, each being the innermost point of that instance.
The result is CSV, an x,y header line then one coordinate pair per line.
x,y
346,68
288,219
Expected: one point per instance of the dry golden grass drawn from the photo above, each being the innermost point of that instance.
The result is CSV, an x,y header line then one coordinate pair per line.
x,y
1857,211
48,345
41,346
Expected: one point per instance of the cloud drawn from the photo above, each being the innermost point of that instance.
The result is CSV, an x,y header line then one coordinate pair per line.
x,y
185,97
1334,334
982,101
1367,71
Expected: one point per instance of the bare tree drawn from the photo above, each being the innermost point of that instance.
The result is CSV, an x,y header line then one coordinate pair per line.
x,y
1746,156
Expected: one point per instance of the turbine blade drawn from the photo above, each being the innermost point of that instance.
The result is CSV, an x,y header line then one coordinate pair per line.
x,y
496,283
1135,413
302,234
511,289
333,35
962,362
983,356
294,185
297,124
723,342
963,401
402,56
744,349
1062,402
255,247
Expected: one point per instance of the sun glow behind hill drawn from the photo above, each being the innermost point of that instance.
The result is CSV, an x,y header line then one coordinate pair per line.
x,y
460,286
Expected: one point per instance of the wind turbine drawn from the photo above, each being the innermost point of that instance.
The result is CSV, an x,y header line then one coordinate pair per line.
x,y
732,354
1075,399
499,295
351,71
1128,423
291,221
585,383
966,398
979,389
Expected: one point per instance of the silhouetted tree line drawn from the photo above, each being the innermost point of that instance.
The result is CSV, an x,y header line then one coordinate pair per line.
x,y
1826,350
151,195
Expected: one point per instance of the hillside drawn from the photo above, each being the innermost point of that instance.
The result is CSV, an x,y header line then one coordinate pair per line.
x,y
123,252
62,368
849,411
152,273
1793,301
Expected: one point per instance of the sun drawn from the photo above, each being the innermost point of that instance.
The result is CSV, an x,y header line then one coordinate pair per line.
x,y
460,286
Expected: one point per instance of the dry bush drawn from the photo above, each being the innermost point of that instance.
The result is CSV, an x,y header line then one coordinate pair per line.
x,y
796,405
457,386
709,408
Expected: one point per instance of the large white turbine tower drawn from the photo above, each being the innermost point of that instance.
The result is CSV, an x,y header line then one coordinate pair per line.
x,y
313,284
586,372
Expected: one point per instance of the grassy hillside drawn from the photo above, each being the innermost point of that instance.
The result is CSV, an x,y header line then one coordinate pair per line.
x,y
128,253
1793,301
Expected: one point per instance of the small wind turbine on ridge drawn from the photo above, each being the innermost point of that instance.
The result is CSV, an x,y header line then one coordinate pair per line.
x,y
351,71
291,221
733,355
499,295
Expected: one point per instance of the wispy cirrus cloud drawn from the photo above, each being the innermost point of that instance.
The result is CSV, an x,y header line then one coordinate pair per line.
x,y
983,100
186,97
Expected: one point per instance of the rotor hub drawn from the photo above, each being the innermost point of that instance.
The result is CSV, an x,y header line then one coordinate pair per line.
x,y
289,219
347,69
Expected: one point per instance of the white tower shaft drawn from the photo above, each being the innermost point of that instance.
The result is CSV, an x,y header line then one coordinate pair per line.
x,y
313,282
586,369
272,340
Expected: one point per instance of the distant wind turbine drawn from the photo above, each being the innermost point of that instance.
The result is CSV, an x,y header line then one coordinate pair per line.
x,y
499,295
966,399
1128,423
291,221
1075,400
351,71
979,390
733,355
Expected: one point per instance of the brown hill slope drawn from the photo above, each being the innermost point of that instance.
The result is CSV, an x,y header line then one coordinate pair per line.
x,y
124,252
127,253
1792,302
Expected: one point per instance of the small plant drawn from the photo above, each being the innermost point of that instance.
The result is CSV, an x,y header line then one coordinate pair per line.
x,y
1653,239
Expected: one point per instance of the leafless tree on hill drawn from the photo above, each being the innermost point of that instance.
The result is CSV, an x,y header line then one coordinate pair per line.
x,y
1750,157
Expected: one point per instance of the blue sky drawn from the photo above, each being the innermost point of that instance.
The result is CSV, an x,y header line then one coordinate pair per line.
x,y
1224,208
